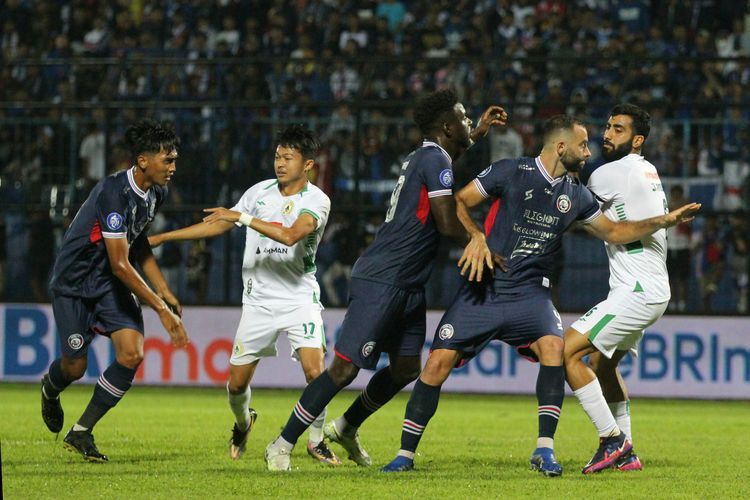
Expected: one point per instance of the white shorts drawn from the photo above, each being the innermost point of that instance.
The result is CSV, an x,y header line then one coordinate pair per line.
x,y
261,326
617,323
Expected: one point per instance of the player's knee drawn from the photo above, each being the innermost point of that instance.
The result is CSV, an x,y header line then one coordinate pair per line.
x,y
311,373
405,374
130,358
342,373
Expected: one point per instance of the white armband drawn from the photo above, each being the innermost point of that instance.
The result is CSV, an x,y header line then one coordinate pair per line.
x,y
245,219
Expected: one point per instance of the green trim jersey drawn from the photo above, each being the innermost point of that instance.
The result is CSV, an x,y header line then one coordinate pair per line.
x,y
630,189
273,273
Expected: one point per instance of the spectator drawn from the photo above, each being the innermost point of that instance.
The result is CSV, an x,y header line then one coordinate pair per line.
x,y
678,256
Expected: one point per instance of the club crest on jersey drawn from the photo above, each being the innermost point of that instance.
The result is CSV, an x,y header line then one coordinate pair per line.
x,y
564,203
367,349
446,178
237,349
287,208
484,172
75,341
249,287
114,221
445,332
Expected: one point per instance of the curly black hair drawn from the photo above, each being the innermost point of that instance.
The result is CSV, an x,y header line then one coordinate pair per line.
x,y
641,119
300,138
430,110
150,136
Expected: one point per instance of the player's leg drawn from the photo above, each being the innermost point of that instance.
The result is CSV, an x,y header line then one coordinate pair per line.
x,y
616,394
422,406
550,392
313,364
238,396
73,326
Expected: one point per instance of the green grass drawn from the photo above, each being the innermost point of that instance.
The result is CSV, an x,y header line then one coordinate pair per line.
x,y
171,443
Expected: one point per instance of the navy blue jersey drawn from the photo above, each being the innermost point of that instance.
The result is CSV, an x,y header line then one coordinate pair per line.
x,y
115,208
406,243
530,213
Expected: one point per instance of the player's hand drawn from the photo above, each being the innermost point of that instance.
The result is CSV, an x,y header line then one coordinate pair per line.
x,y
220,213
172,303
500,262
492,116
174,327
685,213
155,240
476,255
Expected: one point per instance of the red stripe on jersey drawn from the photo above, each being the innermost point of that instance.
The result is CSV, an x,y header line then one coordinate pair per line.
x,y
423,208
342,356
490,220
95,236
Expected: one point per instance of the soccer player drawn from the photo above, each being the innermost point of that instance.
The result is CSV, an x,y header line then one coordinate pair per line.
x,y
386,310
628,187
285,219
96,290
535,202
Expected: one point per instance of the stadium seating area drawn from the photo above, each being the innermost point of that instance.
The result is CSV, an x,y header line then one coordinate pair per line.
x,y
74,73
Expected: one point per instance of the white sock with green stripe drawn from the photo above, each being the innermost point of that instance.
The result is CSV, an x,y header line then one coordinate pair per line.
x,y
592,400
621,411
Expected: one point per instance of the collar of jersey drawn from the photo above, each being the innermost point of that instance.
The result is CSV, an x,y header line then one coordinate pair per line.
x,y
436,145
544,172
140,192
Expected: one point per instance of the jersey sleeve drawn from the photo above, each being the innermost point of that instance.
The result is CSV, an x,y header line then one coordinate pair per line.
x,y
493,180
605,182
246,203
319,206
588,208
111,209
437,175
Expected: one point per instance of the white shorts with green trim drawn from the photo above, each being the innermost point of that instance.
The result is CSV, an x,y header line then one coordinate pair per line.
x,y
617,323
261,326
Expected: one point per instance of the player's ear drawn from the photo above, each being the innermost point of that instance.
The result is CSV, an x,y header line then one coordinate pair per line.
x,y
638,141
308,165
141,161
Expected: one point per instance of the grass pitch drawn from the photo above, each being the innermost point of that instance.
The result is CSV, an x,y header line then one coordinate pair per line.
x,y
172,443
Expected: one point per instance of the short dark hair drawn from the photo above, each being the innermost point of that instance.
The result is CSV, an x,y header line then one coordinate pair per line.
x,y
300,138
641,119
150,136
559,122
430,109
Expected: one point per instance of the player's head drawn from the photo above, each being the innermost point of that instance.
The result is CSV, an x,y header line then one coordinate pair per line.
x,y
153,147
296,147
440,113
626,131
569,139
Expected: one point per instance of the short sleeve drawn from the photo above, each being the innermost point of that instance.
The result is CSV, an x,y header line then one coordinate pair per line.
x,y
588,206
493,180
111,209
319,206
246,203
605,181
437,174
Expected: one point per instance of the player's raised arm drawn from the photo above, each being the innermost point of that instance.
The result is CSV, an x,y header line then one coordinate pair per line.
x,y
304,225
492,116
195,232
117,253
621,233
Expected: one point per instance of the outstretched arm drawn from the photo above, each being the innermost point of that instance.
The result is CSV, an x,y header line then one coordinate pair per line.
x,y
195,232
304,225
621,233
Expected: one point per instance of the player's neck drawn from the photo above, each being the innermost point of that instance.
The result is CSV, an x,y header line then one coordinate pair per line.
x,y
453,150
140,179
552,164
292,188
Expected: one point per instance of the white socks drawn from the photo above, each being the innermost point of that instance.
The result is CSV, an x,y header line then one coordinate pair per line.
x,y
545,442
592,400
239,404
621,411
316,429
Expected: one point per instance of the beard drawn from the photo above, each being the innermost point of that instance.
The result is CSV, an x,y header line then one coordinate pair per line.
x,y
616,152
571,163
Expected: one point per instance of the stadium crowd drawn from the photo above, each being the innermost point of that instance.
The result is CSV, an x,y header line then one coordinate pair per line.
x,y
73,73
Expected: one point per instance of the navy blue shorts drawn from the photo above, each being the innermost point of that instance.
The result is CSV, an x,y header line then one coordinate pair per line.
x,y
79,320
479,315
381,318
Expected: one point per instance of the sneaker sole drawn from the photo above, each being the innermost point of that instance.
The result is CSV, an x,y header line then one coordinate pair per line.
x,y
538,468
609,462
73,449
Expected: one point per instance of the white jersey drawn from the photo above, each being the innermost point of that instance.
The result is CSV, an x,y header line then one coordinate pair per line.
x,y
273,273
630,189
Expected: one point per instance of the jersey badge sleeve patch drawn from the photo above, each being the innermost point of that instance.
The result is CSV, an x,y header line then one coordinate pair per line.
x,y
446,178
114,221
484,172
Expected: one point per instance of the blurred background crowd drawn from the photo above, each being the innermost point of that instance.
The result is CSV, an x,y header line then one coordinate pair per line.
x,y
230,73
